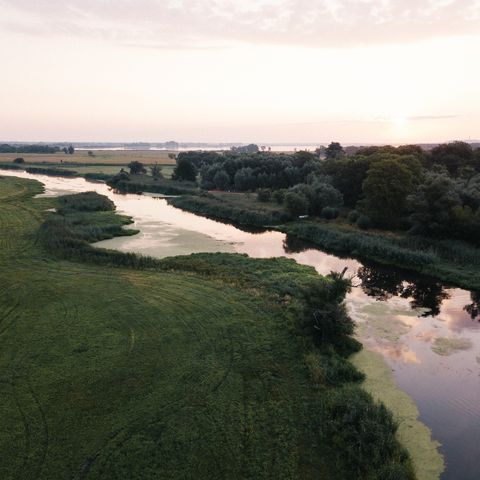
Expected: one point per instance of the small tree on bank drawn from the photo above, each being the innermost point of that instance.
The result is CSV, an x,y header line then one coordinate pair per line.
x,y
185,170
156,171
136,168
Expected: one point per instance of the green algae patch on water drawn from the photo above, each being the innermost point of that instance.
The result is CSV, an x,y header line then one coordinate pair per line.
x,y
413,434
448,346
381,321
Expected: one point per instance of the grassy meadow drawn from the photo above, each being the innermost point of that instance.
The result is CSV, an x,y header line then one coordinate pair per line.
x,y
104,162
185,368
109,157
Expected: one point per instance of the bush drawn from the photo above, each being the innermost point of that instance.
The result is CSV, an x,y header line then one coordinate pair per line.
x,y
296,204
278,196
19,160
364,222
330,213
52,172
361,436
214,208
381,249
10,166
85,202
264,195
353,216
102,177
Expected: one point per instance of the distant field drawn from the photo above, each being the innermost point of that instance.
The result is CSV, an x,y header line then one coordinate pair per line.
x,y
117,157
167,170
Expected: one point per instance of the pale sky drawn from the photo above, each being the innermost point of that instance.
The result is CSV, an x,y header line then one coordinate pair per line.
x,y
377,71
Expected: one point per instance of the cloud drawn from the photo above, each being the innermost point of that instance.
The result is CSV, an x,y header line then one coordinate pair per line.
x,y
224,23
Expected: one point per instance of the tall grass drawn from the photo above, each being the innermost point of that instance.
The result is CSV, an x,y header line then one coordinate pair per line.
x,y
52,172
354,431
148,184
215,208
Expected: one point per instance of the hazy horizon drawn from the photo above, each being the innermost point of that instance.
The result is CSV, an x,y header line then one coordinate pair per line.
x,y
219,71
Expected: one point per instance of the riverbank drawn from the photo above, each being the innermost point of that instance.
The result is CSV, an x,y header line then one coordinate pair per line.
x,y
416,437
453,262
174,366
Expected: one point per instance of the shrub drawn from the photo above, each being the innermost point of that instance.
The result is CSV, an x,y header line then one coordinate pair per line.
x,y
214,208
361,436
330,213
10,166
264,195
85,202
105,177
364,222
296,204
19,160
278,196
353,216
52,172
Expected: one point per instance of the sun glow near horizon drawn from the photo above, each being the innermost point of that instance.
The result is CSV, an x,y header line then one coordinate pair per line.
x,y
105,85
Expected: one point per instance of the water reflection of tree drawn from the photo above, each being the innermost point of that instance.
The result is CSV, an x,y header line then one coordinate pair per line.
x,y
385,283
380,283
427,295
473,309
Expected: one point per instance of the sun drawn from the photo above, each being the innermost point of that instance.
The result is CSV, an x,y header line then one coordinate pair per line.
x,y
399,122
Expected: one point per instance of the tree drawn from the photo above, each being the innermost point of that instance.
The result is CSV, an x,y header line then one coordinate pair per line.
x,y
136,168
156,170
348,175
433,203
252,148
70,150
334,150
244,180
222,180
19,160
385,190
453,155
264,195
325,195
90,153
185,170
302,157
296,204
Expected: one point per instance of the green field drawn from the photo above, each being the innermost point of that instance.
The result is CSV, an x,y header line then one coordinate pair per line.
x,y
113,157
196,371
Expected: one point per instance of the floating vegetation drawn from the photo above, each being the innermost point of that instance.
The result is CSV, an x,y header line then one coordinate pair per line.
x,y
412,433
448,346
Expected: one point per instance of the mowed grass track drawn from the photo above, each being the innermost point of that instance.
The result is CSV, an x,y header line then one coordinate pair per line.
x,y
110,373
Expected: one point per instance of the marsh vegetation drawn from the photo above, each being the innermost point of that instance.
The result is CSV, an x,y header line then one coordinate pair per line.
x,y
113,366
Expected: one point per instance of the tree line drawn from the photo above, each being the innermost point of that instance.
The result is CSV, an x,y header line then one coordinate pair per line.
x,y
35,148
434,193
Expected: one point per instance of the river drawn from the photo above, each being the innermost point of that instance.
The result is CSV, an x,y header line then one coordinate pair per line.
x,y
427,332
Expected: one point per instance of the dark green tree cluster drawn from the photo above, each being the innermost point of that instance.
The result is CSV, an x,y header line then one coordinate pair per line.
x,y
434,193
136,168
249,172
6,148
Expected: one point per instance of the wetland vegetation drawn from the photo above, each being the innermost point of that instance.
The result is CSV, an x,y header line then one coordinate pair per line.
x,y
116,367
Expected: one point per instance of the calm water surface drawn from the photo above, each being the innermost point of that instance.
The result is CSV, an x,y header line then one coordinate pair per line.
x,y
427,332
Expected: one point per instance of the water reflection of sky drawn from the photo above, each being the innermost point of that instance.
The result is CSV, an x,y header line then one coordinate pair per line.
x,y
416,323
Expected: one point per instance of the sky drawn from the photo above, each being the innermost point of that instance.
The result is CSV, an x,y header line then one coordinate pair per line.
x,y
264,71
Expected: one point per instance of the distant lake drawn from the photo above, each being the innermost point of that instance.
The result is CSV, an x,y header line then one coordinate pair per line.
x,y
274,148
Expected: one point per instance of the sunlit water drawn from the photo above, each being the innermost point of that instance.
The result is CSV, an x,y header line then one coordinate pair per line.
x,y
428,333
